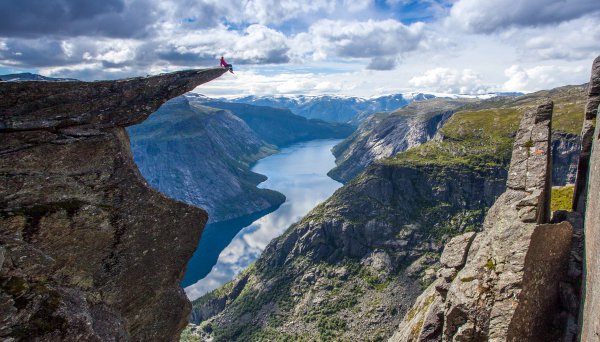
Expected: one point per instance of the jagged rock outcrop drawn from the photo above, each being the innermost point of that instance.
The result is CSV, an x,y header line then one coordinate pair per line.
x,y
591,305
508,287
89,251
587,137
386,134
202,156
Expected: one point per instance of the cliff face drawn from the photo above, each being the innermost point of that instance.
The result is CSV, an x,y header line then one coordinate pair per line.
x,y
587,137
386,134
565,156
201,156
347,269
588,190
503,284
88,250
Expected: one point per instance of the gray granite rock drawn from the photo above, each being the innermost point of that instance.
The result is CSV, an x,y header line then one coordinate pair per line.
x,y
455,252
91,252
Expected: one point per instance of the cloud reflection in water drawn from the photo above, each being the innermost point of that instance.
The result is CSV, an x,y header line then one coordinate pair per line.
x,y
300,173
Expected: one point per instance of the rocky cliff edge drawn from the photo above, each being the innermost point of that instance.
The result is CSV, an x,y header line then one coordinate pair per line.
x,y
502,284
88,252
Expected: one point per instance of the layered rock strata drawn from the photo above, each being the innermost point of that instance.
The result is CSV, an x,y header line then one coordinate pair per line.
x,y
502,284
88,251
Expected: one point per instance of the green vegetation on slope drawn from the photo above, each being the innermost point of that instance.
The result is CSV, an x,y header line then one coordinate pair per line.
x,y
562,198
481,134
472,138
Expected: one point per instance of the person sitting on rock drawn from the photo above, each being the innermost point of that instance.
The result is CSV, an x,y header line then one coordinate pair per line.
x,y
226,65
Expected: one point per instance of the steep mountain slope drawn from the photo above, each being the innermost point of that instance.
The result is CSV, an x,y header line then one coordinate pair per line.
x,y
201,155
386,134
505,283
280,127
351,268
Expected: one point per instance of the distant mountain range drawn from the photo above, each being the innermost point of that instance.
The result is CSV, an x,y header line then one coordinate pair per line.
x,y
27,76
347,109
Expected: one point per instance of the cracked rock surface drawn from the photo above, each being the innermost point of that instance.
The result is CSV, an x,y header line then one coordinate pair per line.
x,y
88,252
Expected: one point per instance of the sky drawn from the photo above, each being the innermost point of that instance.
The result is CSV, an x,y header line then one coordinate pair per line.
x,y
286,47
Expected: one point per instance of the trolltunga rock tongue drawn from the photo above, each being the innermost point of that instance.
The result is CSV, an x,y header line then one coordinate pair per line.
x,y
89,252
101,104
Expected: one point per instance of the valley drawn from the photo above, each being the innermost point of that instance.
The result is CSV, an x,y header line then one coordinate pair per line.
x,y
228,247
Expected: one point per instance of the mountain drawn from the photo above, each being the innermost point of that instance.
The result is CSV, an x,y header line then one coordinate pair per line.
x,y
328,107
386,134
281,127
189,146
202,156
27,76
353,266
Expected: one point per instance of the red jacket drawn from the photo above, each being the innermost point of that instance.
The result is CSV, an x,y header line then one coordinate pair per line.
x,y
223,63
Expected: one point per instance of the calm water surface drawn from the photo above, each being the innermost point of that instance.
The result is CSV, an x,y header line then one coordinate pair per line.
x,y
226,248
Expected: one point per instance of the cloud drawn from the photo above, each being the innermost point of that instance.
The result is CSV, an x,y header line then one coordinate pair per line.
x,y
48,52
494,15
450,81
278,11
573,40
379,40
68,18
382,63
542,77
257,44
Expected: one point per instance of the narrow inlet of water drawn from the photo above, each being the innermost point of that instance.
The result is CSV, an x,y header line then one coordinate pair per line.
x,y
226,248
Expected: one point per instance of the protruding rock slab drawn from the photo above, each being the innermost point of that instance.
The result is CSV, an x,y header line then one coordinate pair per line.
x,y
101,104
90,252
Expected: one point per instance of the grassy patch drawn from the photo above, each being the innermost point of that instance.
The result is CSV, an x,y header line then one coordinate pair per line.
x,y
480,138
491,264
562,198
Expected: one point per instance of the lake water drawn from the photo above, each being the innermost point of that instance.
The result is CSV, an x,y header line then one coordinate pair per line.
x,y
226,248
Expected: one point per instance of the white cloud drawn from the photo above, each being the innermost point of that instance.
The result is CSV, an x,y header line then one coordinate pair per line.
x,y
277,11
451,81
577,39
542,77
493,15
358,39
